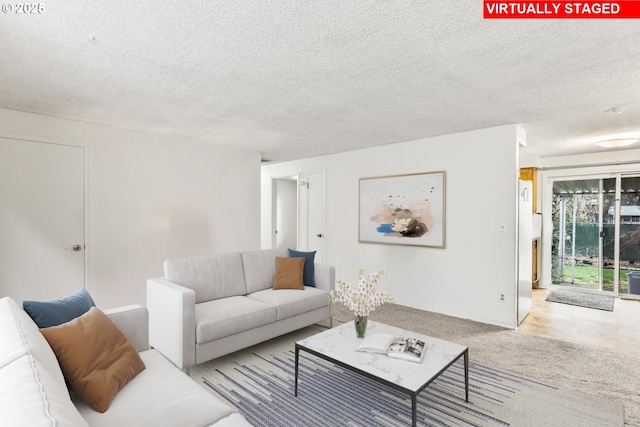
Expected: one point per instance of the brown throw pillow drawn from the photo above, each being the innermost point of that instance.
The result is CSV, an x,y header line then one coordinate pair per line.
x,y
289,273
95,356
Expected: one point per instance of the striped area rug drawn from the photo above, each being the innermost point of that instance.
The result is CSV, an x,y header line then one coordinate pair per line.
x,y
260,385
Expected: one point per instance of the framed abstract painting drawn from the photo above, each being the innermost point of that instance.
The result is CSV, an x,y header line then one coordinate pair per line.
x,y
403,209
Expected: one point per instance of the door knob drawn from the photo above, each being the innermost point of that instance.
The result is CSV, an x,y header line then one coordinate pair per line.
x,y
77,248
319,234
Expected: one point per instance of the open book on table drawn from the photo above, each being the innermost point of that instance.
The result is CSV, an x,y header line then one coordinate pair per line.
x,y
405,348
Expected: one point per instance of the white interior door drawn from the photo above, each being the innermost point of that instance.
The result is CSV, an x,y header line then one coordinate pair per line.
x,y
525,225
41,219
311,206
316,214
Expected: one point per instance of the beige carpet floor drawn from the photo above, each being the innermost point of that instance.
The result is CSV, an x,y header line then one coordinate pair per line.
x,y
578,367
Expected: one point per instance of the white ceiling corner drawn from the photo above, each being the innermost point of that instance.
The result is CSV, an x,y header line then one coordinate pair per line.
x,y
294,79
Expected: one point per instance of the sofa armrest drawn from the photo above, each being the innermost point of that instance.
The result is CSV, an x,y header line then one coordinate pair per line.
x,y
133,321
172,323
325,276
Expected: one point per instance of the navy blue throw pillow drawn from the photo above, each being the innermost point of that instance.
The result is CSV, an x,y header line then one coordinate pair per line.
x,y
58,311
309,273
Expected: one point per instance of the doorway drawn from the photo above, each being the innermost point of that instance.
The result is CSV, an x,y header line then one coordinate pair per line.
x,y
41,219
286,223
299,212
596,234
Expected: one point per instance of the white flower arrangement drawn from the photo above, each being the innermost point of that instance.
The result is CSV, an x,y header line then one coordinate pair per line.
x,y
364,298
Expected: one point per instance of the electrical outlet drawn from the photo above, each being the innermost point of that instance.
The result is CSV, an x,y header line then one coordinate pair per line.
x,y
501,297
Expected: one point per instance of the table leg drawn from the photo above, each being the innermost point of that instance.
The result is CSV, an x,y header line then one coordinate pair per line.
x,y
466,375
296,383
414,409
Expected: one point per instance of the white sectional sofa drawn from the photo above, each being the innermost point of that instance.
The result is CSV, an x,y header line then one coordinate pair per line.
x,y
212,305
33,391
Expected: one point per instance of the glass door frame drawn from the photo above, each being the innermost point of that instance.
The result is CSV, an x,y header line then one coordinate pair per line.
x,y
548,177
616,236
617,172
619,178
600,196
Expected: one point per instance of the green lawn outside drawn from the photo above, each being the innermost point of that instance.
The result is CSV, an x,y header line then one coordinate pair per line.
x,y
588,275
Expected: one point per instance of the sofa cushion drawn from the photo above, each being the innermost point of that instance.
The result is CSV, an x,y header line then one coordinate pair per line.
x,y
289,273
58,311
309,276
161,395
32,388
19,335
210,276
260,268
31,397
95,356
229,316
289,302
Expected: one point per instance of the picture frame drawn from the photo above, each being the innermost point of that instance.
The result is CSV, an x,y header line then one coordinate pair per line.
x,y
403,209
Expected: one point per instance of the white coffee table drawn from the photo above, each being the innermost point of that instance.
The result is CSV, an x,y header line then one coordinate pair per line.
x,y
338,345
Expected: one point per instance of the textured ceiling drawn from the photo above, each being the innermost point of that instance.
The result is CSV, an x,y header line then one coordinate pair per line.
x,y
294,79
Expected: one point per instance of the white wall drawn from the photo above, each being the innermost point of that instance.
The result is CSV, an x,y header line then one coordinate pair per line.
x,y
478,264
608,159
149,198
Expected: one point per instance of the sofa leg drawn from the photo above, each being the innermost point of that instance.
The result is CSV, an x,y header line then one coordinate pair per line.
x,y
187,371
330,322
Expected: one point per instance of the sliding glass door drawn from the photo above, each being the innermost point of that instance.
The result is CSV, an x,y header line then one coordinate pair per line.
x,y
629,242
596,234
608,233
577,238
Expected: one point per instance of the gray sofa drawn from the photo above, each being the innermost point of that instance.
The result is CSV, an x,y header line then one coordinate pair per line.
x,y
212,305
33,390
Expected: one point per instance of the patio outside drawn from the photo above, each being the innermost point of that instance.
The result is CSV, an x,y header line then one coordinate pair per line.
x,y
584,234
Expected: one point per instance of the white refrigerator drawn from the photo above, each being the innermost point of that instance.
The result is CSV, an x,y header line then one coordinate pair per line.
x,y
525,255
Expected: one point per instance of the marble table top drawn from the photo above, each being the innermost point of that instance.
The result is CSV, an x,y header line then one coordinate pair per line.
x,y
340,344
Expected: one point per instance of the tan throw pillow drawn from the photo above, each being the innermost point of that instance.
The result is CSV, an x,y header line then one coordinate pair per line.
x,y
95,356
289,273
